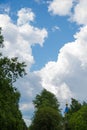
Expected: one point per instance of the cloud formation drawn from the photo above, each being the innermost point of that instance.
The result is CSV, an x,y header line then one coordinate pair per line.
x,y
60,7
66,77
76,10
80,13
19,38
25,15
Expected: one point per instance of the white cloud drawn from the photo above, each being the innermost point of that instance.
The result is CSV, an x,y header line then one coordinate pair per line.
x,y
18,39
60,7
80,12
33,34
25,15
5,19
76,10
27,120
67,76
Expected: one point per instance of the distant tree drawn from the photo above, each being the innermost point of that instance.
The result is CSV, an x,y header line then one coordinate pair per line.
x,y
84,103
47,114
10,71
75,106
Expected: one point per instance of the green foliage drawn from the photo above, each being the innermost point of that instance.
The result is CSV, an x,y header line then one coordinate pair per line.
x,y
46,118
78,120
11,69
47,115
75,106
45,98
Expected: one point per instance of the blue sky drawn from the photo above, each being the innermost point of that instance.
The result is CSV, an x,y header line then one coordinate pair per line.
x,y
51,37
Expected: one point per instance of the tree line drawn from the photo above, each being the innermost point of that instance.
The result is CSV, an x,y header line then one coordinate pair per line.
x,y
47,114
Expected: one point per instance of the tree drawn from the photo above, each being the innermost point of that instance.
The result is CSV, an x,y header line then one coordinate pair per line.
x,y
78,120
46,118
10,71
47,114
75,106
46,98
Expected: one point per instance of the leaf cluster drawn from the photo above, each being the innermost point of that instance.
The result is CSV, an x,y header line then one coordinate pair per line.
x,y
11,69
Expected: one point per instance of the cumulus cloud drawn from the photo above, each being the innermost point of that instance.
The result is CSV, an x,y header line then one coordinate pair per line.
x,y
25,15
76,10
19,38
32,34
66,77
80,13
60,7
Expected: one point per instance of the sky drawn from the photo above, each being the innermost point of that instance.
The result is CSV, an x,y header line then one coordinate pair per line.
x,y
50,36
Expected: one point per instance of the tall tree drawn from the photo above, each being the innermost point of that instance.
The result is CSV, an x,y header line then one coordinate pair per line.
x,y
47,114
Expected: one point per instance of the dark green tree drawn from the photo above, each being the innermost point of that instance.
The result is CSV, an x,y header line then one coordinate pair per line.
x,y
46,98
46,118
75,106
47,114
10,71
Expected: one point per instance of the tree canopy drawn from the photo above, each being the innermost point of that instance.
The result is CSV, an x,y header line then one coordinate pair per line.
x,y
47,115
46,98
